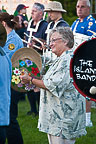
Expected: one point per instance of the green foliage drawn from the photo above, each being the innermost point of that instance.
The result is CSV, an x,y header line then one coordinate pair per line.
x,y
28,126
69,19
31,134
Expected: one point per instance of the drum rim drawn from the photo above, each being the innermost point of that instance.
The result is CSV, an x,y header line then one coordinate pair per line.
x,y
71,73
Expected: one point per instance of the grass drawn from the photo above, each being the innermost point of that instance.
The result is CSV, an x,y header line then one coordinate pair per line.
x,y
28,126
31,134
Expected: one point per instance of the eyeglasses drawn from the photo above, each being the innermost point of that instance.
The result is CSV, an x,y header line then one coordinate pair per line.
x,y
54,40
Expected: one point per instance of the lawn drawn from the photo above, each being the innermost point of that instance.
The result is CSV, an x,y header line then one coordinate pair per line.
x,y
28,126
31,134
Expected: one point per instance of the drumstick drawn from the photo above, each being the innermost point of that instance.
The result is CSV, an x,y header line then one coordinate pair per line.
x,y
92,32
26,34
35,39
46,46
33,45
25,41
36,46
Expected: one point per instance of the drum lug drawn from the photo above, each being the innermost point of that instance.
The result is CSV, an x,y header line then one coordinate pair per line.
x,y
88,98
72,80
72,55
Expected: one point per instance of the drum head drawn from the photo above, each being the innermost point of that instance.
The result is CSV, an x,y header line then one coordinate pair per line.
x,y
83,68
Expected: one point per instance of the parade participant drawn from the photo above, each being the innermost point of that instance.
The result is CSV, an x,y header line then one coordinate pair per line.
x,y
5,84
36,27
62,108
12,44
23,19
86,25
55,11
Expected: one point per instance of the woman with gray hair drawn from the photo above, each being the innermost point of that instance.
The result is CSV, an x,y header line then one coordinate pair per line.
x,y
62,108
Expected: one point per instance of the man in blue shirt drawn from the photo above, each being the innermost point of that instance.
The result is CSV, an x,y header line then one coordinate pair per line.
x,y
86,25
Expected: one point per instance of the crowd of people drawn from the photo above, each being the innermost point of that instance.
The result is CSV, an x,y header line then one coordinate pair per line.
x,y
63,112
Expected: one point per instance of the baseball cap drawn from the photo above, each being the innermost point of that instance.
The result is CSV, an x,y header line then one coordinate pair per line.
x,y
21,6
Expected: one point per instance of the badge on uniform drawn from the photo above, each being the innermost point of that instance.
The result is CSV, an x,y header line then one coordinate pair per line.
x,y
90,24
11,46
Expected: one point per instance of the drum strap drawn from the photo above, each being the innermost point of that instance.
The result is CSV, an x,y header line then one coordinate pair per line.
x,y
75,27
31,30
49,28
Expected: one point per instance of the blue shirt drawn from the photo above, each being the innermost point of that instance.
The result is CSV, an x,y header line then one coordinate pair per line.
x,y
5,85
86,27
13,43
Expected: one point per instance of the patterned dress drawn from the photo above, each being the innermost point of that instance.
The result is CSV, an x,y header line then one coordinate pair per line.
x,y
62,108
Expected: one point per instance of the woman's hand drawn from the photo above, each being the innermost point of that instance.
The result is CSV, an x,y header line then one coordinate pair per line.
x,y
31,44
25,78
36,89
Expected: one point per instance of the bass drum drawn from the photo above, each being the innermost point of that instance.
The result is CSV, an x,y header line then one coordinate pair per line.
x,y
83,68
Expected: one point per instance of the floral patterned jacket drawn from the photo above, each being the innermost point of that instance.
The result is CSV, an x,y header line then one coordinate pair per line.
x,y
62,108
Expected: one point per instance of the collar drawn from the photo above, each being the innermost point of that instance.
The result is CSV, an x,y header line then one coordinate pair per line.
x,y
11,33
54,25
86,18
2,51
33,29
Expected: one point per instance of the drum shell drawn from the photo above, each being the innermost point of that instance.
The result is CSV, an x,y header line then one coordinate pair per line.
x,y
83,68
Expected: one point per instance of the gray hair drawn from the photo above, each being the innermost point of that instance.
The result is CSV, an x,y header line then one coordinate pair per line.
x,y
87,2
66,34
39,6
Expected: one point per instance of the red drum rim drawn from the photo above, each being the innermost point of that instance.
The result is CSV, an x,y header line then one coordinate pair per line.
x,y
72,73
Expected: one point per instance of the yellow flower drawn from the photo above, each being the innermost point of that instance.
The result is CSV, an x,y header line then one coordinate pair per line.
x,y
15,79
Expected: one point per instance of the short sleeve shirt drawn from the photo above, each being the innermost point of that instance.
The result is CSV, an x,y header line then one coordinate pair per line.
x,y
62,108
13,43
86,27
